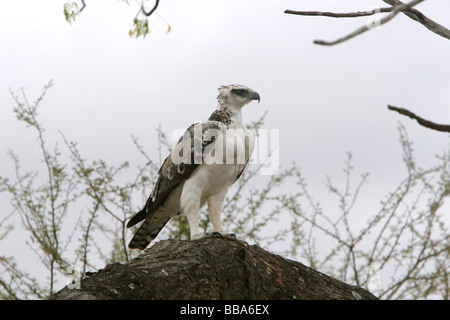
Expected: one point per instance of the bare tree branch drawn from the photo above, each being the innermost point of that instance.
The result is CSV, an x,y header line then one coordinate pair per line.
x,y
367,27
422,19
340,15
151,11
421,121
397,7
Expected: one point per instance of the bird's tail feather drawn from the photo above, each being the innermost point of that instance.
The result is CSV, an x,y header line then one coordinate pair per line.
x,y
138,217
146,233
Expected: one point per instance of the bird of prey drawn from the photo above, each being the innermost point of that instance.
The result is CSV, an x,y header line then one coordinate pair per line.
x,y
206,161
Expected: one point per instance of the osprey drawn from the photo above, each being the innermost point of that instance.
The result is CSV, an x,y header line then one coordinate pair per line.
x,y
205,162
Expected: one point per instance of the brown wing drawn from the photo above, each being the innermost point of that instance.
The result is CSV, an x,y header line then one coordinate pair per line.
x,y
177,167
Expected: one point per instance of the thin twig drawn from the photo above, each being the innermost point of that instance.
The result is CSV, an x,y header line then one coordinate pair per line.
x,y
151,11
422,19
367,27
340,15
397,6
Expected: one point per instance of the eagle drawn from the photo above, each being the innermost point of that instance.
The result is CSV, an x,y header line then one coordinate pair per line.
x,y
208,158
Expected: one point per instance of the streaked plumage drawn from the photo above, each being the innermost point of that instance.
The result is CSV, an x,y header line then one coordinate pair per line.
x,y
205,162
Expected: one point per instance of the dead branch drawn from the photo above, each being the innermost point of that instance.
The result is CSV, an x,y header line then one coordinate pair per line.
x,y
367,27
151,11
340,15
422,19
421,121
397,7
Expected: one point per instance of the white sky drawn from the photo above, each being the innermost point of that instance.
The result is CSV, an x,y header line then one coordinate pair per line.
x,y
324,100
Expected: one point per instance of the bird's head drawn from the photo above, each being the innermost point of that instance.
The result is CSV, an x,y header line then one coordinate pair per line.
x,y
236,96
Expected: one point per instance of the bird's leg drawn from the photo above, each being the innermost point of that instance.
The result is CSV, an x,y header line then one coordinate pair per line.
x,y
215,205
192,215
190,206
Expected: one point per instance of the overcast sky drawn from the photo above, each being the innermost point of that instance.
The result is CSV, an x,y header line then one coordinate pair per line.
x,y
325,101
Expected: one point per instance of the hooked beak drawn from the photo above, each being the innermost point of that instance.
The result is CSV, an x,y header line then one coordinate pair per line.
x,y
255,96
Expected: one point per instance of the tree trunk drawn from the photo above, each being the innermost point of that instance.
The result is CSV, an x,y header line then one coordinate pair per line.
x,y
210,268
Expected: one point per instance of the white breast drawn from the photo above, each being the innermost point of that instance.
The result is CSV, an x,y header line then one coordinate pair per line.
x,y
221,166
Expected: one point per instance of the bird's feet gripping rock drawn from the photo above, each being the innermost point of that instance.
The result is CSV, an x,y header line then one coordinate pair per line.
x,y
214,234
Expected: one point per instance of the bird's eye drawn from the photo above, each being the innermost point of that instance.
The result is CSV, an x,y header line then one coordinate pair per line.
x,y
239,92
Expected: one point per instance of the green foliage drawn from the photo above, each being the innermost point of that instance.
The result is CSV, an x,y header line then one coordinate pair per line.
x,y
140,28
71,11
